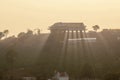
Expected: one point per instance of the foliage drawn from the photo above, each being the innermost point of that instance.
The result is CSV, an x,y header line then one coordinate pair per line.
x,y
42,53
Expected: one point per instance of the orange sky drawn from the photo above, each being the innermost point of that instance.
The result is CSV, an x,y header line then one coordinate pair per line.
x,y
20,15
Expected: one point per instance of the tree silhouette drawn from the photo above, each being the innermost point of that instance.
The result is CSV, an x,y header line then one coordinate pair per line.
x,y
96,27
21,34
87,72
11,57
111,76
6,32
29,31
1,35
39,31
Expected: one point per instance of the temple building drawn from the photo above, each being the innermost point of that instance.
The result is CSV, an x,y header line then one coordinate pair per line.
x,y
65,47
67,27
60,31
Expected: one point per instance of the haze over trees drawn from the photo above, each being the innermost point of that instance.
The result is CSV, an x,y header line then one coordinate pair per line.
x,y
40,53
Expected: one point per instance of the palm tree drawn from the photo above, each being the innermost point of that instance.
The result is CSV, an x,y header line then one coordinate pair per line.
x,y
96,27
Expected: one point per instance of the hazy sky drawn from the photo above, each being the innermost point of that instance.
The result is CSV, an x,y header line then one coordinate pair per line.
x,y
20,15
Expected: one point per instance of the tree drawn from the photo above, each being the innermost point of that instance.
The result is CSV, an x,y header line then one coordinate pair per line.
x,y
29,33
11,57
21,34
1,35
37,31
6,32
96,27
87,72
111,76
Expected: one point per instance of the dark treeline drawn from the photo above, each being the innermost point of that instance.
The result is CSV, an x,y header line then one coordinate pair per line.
x,y
21,51
42,54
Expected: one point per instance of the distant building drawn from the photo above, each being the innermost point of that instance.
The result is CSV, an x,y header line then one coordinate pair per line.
x,y
67,26
60,30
